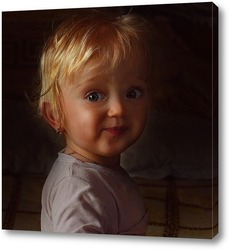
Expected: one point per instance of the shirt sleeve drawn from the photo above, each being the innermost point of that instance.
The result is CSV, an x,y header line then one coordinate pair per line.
x,y
80,207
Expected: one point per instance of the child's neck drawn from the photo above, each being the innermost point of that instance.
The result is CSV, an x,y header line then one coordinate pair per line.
x,y
109,162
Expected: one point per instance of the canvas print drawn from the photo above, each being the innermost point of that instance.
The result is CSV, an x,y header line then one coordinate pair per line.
x,y
110,120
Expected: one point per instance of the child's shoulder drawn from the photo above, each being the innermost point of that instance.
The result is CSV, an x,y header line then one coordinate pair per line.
x,y
69,174
69,168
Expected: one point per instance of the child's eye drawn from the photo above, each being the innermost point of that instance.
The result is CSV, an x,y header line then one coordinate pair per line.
x,y
94,96
134,93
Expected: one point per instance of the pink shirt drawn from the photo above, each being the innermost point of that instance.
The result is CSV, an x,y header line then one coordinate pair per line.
x,y
88,198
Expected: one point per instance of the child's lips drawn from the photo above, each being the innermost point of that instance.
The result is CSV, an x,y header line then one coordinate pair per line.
x,y
118,130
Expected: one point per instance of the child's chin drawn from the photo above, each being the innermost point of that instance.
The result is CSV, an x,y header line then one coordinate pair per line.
x,y
115,152
115,148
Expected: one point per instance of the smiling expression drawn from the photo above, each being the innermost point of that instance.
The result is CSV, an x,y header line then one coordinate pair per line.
x,y
105,110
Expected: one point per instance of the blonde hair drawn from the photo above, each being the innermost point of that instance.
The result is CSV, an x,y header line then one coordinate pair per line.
x,y
105,37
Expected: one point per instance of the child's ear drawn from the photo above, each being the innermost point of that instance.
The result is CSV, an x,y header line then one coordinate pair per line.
x,y
51,116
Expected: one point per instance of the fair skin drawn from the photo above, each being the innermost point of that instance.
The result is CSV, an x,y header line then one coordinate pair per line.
x,y
104,111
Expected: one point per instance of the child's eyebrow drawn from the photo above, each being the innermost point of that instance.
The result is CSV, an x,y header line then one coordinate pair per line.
x,y
144,79
98,77
139,79
88,80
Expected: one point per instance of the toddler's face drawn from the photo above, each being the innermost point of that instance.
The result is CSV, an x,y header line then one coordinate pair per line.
x,y
105,111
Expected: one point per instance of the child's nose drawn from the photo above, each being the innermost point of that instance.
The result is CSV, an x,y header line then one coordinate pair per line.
x,y
116,108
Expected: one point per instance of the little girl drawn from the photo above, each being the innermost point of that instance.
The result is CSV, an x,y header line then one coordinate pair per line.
x,y
95,74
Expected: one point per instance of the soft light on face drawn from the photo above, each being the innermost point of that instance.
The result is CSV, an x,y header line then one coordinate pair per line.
x,y
105,110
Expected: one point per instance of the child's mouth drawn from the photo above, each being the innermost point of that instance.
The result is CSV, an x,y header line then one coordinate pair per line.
x,y
118,130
